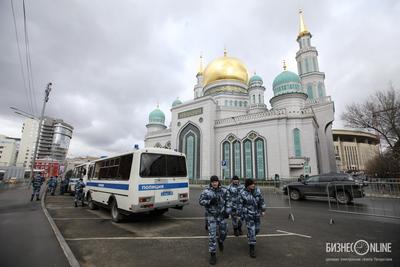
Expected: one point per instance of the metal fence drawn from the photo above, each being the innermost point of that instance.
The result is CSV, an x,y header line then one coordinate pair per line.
x,y
381,199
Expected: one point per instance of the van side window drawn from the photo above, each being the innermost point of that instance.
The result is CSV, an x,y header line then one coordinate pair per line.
x,y
114,169
157,165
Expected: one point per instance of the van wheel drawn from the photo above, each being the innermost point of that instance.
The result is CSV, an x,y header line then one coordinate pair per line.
x,y
91,203
116,215
294,194
343,197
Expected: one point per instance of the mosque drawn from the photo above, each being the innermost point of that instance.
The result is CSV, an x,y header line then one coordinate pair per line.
x,y
227,129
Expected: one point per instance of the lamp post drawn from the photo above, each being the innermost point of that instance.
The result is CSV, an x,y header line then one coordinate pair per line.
x,y
46,98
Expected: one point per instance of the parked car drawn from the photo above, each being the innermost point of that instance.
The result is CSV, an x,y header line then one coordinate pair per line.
x,y
340,186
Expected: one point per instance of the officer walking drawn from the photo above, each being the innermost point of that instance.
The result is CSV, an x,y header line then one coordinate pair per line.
x,y
252,207
79,192
52,185
234,190
37,182
216,201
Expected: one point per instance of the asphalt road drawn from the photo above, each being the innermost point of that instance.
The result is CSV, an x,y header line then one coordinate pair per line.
x,y
178,237
26,238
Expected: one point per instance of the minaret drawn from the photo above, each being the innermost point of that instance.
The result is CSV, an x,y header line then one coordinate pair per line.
x,y
307,64
198,88
256,94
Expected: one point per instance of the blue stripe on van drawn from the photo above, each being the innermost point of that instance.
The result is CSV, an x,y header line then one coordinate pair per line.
x,y
107,185
145,187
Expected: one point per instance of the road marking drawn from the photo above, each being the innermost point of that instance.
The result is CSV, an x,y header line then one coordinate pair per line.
x,y
60,208
82,218
290,233
281,233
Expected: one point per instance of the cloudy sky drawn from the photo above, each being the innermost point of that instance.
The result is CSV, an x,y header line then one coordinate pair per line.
x,y
110,62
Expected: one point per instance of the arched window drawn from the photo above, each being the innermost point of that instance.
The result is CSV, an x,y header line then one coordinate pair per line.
x,y
226,156
189,143
307,65
259,99
240,103
297,143
260,160
310,91
236,158
231,103
245,103
320,90
248,158
236,103
226,102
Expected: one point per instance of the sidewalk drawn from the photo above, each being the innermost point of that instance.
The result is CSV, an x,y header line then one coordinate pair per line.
x,y
26,237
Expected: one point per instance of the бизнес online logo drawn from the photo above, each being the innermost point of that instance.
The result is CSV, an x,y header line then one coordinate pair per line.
x,y
360,247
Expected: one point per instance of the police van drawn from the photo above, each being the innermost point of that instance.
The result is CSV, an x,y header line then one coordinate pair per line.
x,y
80,171
149,180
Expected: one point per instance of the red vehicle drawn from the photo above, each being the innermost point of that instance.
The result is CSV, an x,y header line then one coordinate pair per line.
x,y
50,167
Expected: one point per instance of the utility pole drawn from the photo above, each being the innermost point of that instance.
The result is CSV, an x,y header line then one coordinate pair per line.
x,y
46,98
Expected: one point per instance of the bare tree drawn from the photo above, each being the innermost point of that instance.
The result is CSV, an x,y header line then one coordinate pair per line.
x,y
381,112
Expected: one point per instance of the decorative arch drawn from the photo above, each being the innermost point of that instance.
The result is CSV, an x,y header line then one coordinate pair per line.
x,y
189,143
297,142
245,158
157,145
310,91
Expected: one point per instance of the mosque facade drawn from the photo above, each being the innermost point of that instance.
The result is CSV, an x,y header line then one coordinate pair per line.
x,y
227,129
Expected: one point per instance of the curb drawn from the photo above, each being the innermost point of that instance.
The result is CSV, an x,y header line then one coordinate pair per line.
x,y
73,262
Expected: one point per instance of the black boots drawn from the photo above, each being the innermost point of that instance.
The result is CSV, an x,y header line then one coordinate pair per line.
x,y
221,245
240,231
76,205
252,251
236,232
213,258
32,198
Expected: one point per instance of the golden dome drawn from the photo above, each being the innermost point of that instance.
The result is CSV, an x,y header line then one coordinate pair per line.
x,y
225,68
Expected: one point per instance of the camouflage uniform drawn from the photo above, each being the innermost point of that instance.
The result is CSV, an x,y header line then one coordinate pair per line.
x,y
79,193
234,192
216,213
251,205
37,182
52,185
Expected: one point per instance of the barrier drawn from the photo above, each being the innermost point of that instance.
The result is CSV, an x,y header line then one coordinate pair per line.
x,y
380,199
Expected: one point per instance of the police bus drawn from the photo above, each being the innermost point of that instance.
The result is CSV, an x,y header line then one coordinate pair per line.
x,y
80,171
148,180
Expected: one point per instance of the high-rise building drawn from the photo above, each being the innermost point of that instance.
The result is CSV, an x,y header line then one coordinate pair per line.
x,y
8,150
55,136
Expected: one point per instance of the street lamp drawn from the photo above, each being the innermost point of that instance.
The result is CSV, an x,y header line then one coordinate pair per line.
x,y
28,115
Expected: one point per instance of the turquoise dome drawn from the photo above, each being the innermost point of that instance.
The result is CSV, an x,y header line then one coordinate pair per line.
x,y
176,102
286,82
255,78
157,116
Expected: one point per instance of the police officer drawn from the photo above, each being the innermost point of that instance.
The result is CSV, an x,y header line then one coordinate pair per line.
x,y
234,190
216,201
79,192
37,182
252,207
52,185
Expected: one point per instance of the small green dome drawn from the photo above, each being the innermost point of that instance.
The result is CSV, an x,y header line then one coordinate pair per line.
x,y
255,78
157,116
176,102
286,82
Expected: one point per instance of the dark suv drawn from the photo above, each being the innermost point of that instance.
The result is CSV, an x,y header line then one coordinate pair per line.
x,y
336,185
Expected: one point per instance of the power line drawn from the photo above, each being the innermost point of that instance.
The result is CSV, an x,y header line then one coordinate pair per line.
x,y
28,99
28,62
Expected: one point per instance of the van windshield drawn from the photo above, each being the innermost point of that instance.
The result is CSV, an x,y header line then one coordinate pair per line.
x,y
161,165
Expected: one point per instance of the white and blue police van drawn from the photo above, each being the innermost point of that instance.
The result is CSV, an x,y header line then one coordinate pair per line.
x,y
149,180
80,171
